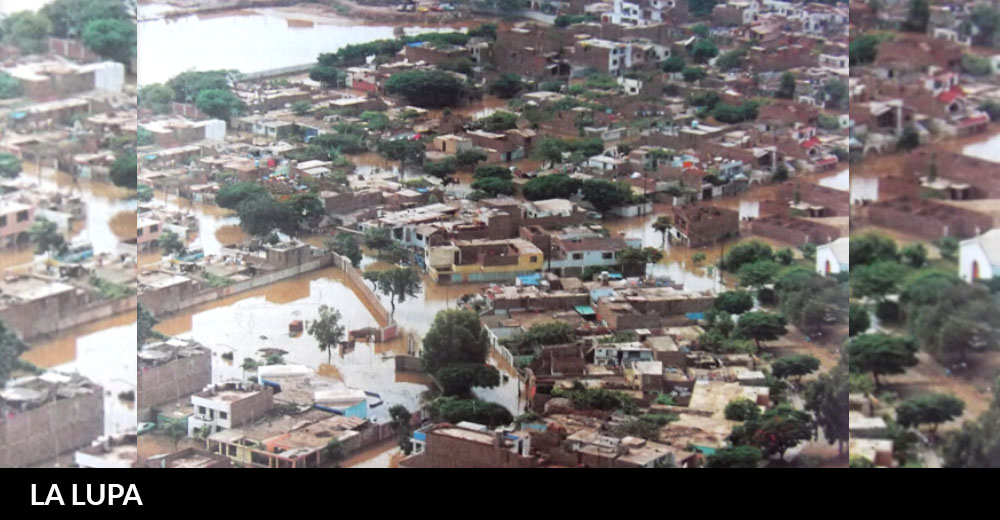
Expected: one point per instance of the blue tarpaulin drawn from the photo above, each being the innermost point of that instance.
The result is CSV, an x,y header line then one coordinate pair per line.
x,y
530,279
695,315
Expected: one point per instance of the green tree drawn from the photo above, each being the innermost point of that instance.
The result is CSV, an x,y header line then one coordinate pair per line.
x,y
333,453
45,234
170,243
469,158
741,409
735,457
144,324
402,150
329,76
345,244
693,74
872,247
880,353
188,85
876,280
427,88
786,89
397,283
734,302
914,255
459,378
70,18
777,430
948,247
673,64
113,39
986,18
218,103
454,410
557,186
758,274
10,165
455,336
732,60
249,364
977,444
507,86
378,238
11,348
401,424
859,462
124,170
863,49
231,196
605,195
497,171
704,50
327,330
860,320
746,253
27,31
836,94
932,409
909,140
494,186
261,215
761,326
918,16
662,225
827,399
10,87
175,431
795,365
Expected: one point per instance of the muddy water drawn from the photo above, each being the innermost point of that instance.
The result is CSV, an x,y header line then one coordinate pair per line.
x,y
102,351
216,226
171,46
259,319
838,181
110,209
677,263
13,6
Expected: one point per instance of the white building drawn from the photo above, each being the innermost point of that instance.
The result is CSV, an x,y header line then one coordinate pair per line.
x,y
834,257
979,257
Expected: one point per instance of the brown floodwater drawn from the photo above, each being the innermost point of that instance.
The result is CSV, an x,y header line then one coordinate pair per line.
x,y
102,351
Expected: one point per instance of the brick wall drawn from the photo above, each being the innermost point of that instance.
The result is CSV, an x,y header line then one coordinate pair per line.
x,y
49,430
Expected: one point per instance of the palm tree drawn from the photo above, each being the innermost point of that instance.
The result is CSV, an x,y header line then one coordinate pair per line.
x,y
663,224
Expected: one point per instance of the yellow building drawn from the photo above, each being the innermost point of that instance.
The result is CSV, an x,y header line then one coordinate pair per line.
x,y
484,260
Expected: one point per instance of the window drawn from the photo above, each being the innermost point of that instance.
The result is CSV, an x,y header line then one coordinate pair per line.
x,y
534,259
223,416
22,216
201,410
3,221
577,256
154,228
607,256
139,232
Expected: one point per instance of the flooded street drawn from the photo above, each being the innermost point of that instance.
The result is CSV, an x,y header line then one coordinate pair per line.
x,y
102,351
259,319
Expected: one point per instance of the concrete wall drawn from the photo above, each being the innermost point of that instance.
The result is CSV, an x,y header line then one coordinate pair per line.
x,y
173,380
24,319
56,427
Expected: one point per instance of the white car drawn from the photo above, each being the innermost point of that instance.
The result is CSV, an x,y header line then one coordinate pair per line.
x,y
594,215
